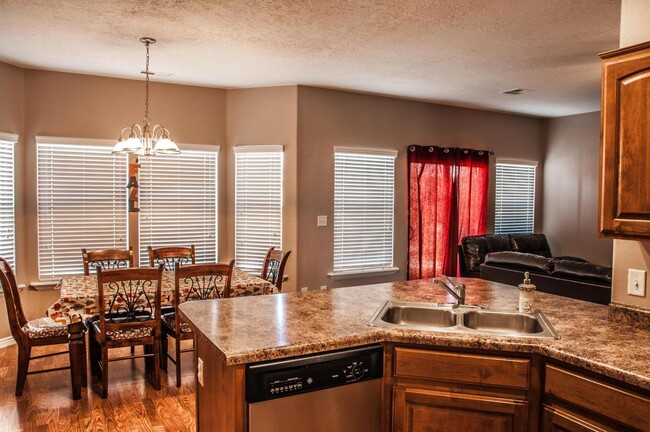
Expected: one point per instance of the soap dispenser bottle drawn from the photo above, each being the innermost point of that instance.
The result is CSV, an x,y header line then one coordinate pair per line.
x,y
527,295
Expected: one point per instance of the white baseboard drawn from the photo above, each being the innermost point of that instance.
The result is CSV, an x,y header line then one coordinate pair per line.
x,y
6,341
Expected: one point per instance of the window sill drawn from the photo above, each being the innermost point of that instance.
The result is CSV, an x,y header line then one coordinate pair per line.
x,y
358,274
45,285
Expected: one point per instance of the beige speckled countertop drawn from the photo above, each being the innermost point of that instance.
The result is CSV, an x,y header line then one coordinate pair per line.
x,y
258,328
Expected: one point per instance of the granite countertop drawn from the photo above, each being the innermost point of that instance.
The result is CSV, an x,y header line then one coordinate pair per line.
x,y
259,328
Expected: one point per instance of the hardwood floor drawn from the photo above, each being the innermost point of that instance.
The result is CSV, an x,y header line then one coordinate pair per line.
x,y
132,404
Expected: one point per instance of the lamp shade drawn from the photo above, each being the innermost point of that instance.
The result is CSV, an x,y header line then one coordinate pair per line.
x,y
119,147
166,146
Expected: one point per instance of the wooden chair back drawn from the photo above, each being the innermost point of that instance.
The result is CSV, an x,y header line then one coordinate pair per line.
x,y
15,311
107,259
202,281
169,256
273,267
133,298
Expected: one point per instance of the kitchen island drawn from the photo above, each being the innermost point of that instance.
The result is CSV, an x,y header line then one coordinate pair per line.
x,y
233,333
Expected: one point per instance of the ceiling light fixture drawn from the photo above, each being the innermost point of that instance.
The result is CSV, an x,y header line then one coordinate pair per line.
x,y
146,140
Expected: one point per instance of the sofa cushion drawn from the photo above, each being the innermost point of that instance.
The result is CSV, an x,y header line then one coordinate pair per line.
x,y
582,270
530,243
476,247
524,261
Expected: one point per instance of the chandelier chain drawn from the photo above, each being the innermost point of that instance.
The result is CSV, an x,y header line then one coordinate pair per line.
x,y
146,91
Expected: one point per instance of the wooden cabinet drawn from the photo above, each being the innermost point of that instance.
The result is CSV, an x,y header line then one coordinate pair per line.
x,y
604,407
443,391
419,410
624,196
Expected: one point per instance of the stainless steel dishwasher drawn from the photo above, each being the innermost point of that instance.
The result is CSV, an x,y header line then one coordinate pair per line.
x,y
330,392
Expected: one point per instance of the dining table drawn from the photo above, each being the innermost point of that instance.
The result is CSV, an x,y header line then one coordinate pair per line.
x,y
79,294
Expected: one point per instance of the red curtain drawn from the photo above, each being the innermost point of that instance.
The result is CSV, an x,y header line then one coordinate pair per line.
x,y
447,201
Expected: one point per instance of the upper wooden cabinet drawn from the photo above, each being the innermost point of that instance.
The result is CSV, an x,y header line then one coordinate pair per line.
x,y
624,204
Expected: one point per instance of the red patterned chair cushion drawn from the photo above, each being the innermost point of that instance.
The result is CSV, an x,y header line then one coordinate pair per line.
x,y
43,328
125,334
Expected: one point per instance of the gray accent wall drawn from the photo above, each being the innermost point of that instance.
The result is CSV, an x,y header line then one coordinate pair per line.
x,y
571,165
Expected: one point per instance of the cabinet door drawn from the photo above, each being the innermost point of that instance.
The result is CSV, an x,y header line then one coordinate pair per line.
x,y
559,420
625,153
418,410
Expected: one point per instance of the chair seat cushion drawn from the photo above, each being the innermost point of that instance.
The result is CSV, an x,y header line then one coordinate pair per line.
x,y
168,323
44,328
124,334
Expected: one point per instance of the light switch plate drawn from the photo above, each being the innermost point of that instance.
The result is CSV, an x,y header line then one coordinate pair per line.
x,y
636,282
199,371
321,221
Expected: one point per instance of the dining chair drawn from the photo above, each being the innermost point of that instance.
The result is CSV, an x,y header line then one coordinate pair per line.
x,y
171,255
107,259
273,267
130,317
37,332
193,282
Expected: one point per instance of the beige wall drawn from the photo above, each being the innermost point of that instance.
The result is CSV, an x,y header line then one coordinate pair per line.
x,y
12,80
328,118
84,106
571,165
266,116
635,16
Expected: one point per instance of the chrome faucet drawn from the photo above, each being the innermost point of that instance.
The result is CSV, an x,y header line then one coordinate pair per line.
x,y
457,291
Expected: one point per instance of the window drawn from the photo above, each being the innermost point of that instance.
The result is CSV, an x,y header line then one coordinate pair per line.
x,y
363,210
258,204
178,203
81,202
515,197
7,199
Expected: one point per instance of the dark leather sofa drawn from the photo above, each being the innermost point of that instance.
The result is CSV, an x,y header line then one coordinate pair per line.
x,y
505,257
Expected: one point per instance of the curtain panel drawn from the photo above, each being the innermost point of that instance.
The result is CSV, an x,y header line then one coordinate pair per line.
x,y
447,201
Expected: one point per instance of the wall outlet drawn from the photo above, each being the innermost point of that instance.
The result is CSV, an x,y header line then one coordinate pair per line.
x,y
199,371
304,289
636,282
323,287
321,221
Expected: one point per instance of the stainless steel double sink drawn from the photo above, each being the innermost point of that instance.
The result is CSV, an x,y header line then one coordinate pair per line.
x,y
462,319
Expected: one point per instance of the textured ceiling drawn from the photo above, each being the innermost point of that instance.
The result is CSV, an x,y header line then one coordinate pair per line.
x,y
454,52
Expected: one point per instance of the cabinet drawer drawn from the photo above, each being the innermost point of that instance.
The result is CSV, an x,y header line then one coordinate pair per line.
x,y
559,420
462,368
604,399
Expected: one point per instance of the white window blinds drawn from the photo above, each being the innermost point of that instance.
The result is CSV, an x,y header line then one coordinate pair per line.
x,y
7,202
81,204
363,209
178,203
258,204
515,198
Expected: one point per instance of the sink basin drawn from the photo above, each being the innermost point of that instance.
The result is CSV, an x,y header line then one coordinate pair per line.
x,y
463,319
502,322
405,315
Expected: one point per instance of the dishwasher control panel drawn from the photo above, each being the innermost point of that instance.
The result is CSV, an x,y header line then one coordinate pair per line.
x,y
283,378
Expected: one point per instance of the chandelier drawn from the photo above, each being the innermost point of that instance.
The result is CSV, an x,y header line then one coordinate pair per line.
x,y
145,140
